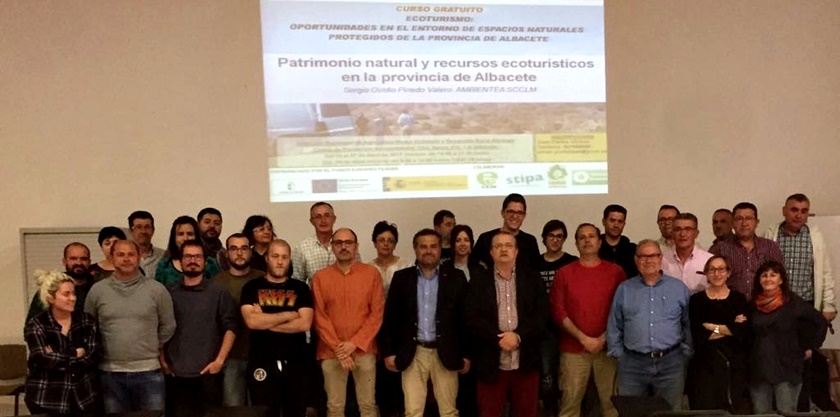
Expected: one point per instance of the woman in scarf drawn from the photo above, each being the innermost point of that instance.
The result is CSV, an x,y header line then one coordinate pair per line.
x,y
786,330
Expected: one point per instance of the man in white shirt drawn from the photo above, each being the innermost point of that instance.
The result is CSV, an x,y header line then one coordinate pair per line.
x,y
687,261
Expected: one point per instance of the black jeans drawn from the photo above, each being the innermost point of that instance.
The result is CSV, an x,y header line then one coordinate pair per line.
x,y
281,390
187,397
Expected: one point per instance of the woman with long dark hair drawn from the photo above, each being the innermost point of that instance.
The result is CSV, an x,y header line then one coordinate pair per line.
x,y
786,330
169,270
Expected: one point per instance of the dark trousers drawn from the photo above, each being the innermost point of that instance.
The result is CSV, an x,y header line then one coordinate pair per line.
x,y
816,384
466,401
281,390
187,397
522,388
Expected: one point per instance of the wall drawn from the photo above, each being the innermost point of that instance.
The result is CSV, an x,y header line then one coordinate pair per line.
x,y
111,106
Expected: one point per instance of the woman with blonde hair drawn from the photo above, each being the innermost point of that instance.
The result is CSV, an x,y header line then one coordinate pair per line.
x,y
63,351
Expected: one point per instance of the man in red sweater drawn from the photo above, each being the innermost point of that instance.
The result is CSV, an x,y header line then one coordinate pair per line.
x,y
580,304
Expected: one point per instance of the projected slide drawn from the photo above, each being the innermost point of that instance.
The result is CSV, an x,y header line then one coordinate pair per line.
x,y
379,100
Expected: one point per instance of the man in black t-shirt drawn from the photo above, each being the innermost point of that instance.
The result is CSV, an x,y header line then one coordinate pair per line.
x,y
279,311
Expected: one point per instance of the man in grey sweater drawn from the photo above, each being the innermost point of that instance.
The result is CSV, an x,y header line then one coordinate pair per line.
x,y
135,319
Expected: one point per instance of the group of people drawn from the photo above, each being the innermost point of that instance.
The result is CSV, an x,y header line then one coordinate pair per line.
x,y
490,321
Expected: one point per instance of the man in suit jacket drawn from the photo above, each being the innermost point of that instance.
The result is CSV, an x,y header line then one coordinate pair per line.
x,y
423,330
506,310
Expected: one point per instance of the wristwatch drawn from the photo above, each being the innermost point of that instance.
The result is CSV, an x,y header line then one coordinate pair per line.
x,y
717,329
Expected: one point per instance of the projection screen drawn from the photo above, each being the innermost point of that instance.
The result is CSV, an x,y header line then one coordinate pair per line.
x,y
382,100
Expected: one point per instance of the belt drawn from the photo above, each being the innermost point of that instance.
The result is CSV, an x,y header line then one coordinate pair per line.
x,y
656,354
428,345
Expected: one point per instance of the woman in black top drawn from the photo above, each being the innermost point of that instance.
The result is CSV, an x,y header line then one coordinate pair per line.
x,y
786,330
717,372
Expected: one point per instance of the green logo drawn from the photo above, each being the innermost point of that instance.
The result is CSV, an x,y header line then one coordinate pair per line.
x,y
487,179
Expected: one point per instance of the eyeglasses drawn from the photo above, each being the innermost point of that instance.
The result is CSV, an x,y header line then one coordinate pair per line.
x,y
519,213
558,236
715,271
504,245
191,257
649,257
340,243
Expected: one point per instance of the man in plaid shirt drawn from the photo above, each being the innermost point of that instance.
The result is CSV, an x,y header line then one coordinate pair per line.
x,y
810,277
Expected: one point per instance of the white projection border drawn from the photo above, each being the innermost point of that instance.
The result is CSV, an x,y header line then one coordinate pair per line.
x,y
381,100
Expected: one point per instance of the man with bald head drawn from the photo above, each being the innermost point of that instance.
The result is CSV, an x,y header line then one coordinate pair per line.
x,y
349,306
279,312
136,319
76,262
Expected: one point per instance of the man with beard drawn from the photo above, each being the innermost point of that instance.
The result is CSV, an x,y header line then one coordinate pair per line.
x,y
209,229
238,274
279,312
423,333
76,264
349,304
141,224
206,324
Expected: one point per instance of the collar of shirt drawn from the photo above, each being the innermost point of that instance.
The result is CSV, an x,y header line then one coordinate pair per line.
x,y
353,267
499,275
421,275
784,233
198,287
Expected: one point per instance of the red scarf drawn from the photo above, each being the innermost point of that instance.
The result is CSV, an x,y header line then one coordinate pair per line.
x,y
769,301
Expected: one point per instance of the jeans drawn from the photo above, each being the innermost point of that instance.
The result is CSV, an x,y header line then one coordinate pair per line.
x,y
640,375
785,393
133,391
234,389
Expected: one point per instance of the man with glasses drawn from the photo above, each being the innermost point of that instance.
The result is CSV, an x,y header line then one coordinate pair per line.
x,y
506,311
142,227
314,253
665,220
206,329
349,306
648,330
687,261
513,215
747,251
238,273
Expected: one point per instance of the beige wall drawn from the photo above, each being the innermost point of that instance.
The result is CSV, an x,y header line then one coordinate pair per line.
x,y
110,106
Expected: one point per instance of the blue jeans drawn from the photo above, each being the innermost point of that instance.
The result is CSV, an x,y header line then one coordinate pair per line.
x,y
235,383
133,391
785,393
640,375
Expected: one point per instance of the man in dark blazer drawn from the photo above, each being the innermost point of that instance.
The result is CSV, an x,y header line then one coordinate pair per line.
x,y
506,312
423,331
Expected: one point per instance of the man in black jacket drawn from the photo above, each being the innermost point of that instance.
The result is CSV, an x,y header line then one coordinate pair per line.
x,y
423,330
506,310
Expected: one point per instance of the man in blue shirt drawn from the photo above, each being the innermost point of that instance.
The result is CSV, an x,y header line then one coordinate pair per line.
x,y
648,330
423,331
